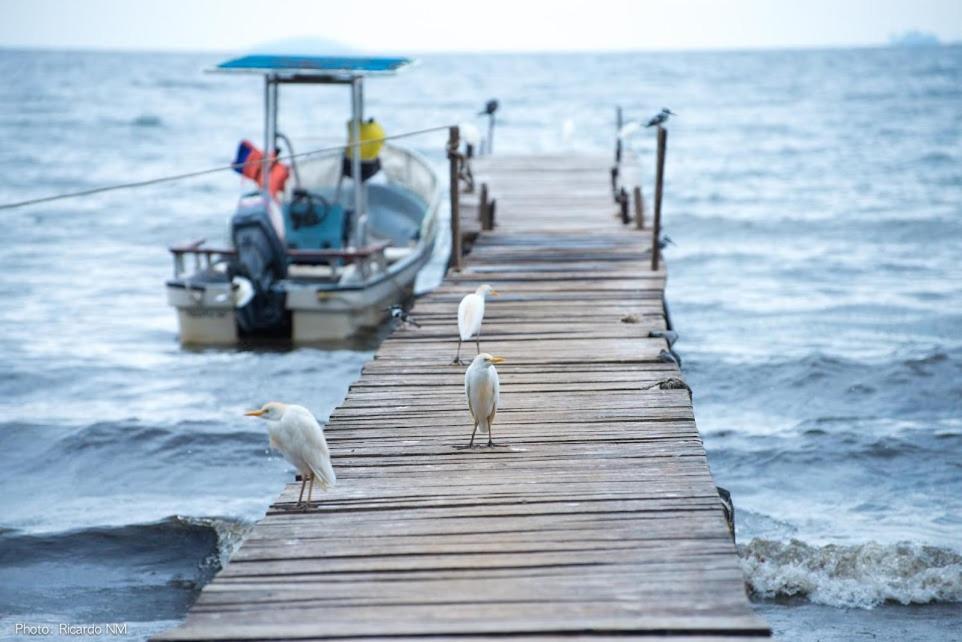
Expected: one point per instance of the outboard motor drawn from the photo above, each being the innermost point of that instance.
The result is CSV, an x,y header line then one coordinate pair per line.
x,y
262,259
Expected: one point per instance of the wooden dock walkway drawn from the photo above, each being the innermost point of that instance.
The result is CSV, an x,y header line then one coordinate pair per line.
x,y
596,517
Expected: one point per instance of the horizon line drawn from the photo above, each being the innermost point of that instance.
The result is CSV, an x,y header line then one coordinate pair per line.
x,y
497,52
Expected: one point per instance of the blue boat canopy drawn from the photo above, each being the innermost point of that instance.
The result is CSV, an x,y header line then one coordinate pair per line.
x,y
318,68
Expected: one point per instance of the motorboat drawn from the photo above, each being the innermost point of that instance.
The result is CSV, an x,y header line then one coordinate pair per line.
x,y
324,244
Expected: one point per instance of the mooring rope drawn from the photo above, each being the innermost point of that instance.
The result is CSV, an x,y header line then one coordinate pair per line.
x,y
330,151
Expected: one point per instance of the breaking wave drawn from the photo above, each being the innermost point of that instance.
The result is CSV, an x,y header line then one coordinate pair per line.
x,y
212,540
858,576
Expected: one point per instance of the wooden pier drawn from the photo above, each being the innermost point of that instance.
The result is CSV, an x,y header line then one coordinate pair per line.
x,y
595,517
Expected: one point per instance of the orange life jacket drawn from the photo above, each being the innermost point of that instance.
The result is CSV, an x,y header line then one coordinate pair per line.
x,y
249,162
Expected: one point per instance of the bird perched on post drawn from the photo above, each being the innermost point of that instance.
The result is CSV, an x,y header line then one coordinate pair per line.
x,y
489,107
661,117
482,388
470,315
294,432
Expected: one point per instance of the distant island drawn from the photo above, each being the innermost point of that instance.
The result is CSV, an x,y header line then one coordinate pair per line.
x,y
914,38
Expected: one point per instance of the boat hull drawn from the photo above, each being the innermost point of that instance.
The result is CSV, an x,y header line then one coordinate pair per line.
x,y
324,315
318,314
203,315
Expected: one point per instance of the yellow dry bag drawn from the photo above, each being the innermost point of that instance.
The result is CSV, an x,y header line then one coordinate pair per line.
x,y
371,130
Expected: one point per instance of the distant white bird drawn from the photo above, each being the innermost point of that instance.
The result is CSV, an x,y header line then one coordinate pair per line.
x,y
294,432
470,315
482,388
470,133
628,129
661,117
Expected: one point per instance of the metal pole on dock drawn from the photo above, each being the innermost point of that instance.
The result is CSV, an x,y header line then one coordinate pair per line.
x,y
639,208
619,123
454,136
356,116
659,184
268,138
484,209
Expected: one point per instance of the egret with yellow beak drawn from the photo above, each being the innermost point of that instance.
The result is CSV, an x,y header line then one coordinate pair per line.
x,y
295,433
470,315
482,388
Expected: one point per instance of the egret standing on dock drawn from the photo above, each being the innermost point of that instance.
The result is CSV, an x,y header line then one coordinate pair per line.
x,y
296,434
482,388
470,315
661,117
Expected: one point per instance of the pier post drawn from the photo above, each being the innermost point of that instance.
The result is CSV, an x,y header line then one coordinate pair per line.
x,y
623,206
454,136
484,210
639,208
619,122
659,184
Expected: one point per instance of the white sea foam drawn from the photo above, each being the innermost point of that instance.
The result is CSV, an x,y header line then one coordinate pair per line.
x,y
860,576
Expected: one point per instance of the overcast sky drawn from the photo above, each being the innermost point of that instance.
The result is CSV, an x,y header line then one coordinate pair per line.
x,y
458,25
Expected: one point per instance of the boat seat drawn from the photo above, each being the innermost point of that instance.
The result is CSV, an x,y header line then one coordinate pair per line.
x,y
323,257
395,254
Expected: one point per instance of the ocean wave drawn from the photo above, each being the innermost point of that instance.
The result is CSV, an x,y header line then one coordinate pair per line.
x,y
211,539
230,533
901,386
857,576
147,120
137,572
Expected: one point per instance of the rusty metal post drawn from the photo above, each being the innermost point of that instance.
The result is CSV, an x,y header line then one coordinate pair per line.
x,y
639,208
454,136
659,185
484,209
619,122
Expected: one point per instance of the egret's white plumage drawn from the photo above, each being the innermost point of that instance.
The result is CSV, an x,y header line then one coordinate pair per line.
x,y
470,315
295,433
470,133
483,390
628,129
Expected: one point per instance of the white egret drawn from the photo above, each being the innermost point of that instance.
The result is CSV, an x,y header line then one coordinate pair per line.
x,y
294,432
470,315
628,129
482,388
470,134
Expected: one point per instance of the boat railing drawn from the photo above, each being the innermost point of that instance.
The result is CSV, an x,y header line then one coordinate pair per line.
x,y
410,169
206,256
399,165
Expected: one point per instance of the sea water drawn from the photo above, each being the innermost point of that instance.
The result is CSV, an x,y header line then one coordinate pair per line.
x,y
815,203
